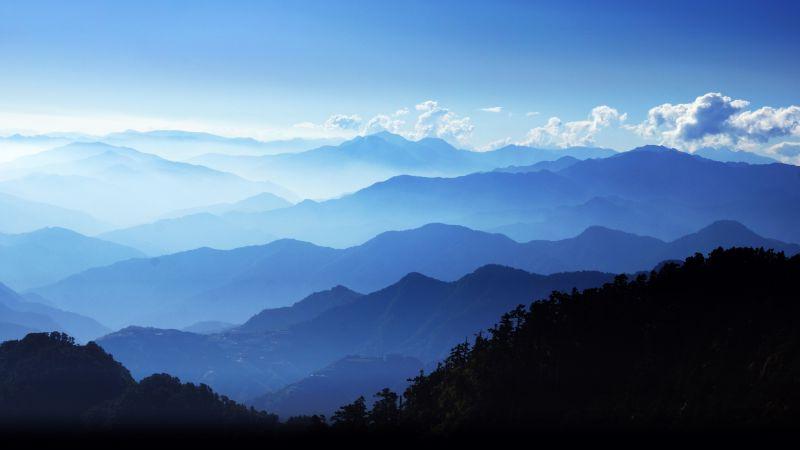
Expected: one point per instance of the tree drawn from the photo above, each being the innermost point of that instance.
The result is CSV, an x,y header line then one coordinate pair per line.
x,y
306,424
352,417
386,410
710,342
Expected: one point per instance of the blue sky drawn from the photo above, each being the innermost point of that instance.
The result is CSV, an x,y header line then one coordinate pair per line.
x,y
282,69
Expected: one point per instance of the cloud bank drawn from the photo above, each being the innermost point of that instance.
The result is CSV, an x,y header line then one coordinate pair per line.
x,y
717,120
788,152
577,133
343,122
432,120
710,120
437,121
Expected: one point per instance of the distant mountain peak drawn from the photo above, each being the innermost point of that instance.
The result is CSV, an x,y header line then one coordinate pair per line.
x,y
495,270
603,236
655,149
97,144
341,289
728,155
386,135
433,227
382,135
598,231
54,231
414,278
728,233
433,233
726,227
512,147
434,141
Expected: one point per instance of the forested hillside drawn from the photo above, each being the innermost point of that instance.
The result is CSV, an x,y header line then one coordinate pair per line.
x,y
50,383
711,343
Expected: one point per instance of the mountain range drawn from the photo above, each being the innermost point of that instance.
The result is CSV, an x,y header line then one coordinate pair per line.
x,y
121,185
47,255
22,315
416,316
334,170
276,319
205,284
652,190
181,145
21,216
552,166
727,155
189,232
18,145
257,203
204,226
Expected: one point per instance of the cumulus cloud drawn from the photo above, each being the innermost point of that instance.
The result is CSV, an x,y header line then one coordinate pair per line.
x,y
717,120
432,120
785,149
437,121
493,109
531,113
343,122
392,123
382,122
581,132
765,123
494,145
788,152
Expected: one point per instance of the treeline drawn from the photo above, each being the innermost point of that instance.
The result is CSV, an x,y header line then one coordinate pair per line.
x,y
711,344
49,383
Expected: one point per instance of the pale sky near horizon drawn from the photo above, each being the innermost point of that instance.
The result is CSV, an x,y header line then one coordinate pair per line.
x,y
479,74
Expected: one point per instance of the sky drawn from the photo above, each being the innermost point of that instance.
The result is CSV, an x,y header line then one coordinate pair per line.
x,y
478,74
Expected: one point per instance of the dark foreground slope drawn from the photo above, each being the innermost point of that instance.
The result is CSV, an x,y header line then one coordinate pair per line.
x,y
49,384
712,343
327,389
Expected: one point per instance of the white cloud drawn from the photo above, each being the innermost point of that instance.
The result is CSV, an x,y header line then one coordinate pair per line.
x,y
493,109
766,123
427,105
545,135
382,122
717,120
432,121
532,113
494,145
788,152
343,122
581,132
305,125
785,149
436,121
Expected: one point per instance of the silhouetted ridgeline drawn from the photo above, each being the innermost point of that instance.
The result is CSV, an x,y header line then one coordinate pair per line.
x,y
175,291
711,344
48,383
